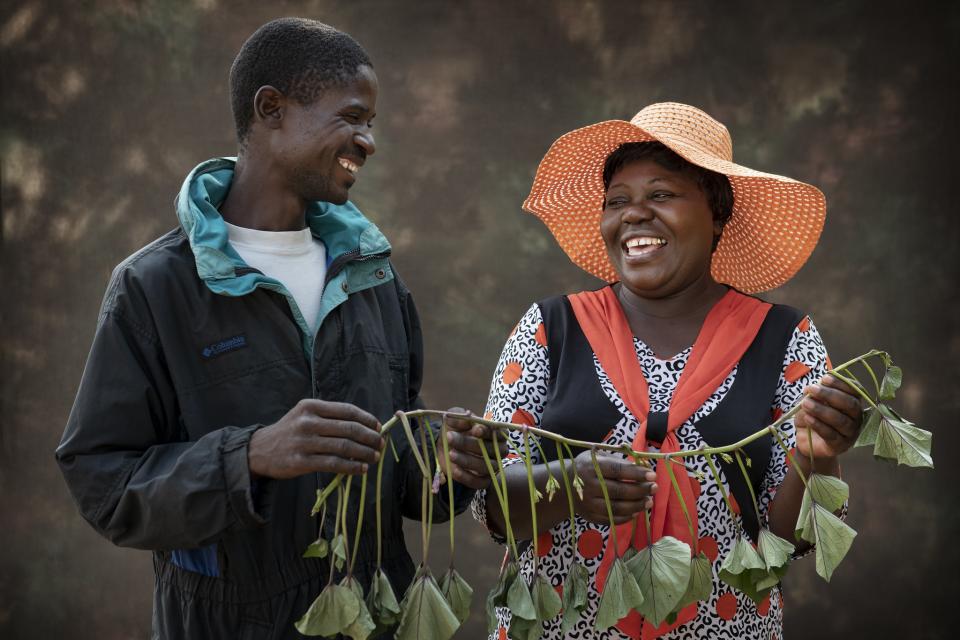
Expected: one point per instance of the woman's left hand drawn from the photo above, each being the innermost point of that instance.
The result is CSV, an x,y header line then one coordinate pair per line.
x,y
833,414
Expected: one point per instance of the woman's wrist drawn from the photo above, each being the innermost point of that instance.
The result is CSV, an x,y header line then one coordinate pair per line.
x,y
829,466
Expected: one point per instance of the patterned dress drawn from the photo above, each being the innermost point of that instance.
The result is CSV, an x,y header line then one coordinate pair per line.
x,y
518,394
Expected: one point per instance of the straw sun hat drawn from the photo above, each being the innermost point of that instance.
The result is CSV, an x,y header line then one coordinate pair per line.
x,y
776,221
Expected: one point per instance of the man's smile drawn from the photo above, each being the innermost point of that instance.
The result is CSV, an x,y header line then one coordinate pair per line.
x,y
351,167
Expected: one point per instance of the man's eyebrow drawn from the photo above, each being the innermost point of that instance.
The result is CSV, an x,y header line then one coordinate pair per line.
x,y
354,103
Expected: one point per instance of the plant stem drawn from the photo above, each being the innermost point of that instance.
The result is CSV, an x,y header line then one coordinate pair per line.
x,y
683,505
793,461
876,383
849,363
361,509
543,457
572,458
723,490
426,498
424,429
446,457
327,490
569,491
646,523
503,489
856,387
533,501
346,537
424,533
405,421
753,495
336,531
377,503
582,444
500,498
606,501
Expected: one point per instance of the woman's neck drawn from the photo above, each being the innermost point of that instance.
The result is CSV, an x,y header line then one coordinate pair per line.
x,y
670,324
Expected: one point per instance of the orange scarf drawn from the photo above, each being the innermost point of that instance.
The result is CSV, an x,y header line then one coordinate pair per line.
x,y
727,332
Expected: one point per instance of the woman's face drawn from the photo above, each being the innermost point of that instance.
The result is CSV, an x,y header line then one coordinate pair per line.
x,y
658,229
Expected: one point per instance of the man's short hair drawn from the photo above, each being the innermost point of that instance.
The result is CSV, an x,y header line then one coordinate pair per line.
x,y
301,58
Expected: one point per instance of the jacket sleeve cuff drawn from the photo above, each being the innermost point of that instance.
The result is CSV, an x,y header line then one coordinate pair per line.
x,y
249,501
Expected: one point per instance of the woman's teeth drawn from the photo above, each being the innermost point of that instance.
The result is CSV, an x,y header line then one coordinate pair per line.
x,y
349,166
641,246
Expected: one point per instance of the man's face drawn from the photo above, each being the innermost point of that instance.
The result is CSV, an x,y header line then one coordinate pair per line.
x,y
321,146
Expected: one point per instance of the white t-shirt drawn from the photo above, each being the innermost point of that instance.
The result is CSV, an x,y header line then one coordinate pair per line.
x,y
295,258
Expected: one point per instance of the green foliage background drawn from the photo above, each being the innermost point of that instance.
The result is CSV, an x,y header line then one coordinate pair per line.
x,y
107,105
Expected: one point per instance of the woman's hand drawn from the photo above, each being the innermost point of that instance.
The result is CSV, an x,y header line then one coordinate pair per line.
x,y
833,414
630,487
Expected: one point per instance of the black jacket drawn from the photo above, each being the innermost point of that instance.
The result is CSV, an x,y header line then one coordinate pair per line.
x,y
177,380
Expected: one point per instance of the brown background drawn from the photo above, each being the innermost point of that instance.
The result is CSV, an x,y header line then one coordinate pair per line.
x,y
107,105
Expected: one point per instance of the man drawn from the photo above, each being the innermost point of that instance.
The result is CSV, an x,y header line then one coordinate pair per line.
x,y
243,359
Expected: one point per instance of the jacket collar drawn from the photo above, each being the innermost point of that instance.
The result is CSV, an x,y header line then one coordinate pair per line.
x,y
342,228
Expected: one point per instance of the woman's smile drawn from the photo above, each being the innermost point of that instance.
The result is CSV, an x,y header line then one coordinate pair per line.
x,y
642,248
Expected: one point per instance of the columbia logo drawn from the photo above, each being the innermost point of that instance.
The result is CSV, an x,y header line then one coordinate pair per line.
x,y
230,344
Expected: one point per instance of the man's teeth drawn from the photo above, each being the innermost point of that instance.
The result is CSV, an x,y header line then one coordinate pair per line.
x,y
349,166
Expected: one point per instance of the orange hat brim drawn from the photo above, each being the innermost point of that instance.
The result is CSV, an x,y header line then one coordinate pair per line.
x,y
775,225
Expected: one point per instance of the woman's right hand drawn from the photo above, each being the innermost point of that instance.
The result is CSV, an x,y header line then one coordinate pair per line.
x,y
630,487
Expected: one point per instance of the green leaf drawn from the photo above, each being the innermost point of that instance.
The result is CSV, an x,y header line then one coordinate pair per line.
x,y
900,440
662,571
335,608
574,595
457,592
827,491
520,601
382,603
890,383
740,569
700,585
425,614
546,600
832,539
319,548
498,595
546,603
363,625
521,629
871,426
775,552
339,549
620,594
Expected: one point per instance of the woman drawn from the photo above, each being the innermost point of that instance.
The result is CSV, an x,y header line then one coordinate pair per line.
x,y
670,356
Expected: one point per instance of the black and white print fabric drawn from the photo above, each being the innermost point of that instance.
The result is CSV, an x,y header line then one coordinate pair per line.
x,y
518,393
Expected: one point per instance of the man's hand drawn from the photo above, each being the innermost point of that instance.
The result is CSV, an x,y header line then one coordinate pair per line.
x,y
631,488
833,414
315,435
466,460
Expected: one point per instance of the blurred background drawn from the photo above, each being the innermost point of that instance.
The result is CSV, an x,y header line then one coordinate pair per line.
x,y
107,105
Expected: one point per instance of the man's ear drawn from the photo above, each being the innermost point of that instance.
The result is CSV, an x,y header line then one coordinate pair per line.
x,y
269,107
